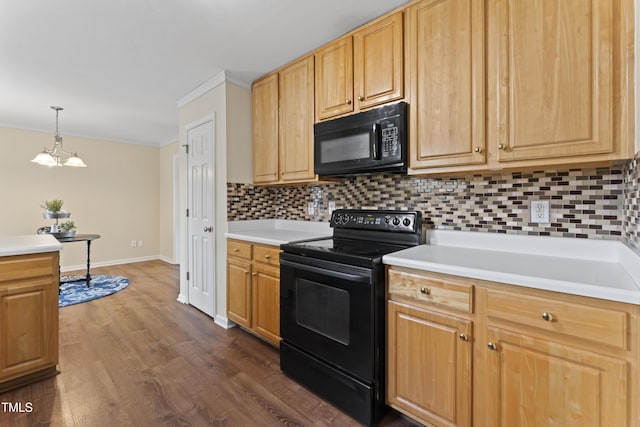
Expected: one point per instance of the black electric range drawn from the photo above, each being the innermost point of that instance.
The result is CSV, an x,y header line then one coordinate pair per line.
x,y
332,308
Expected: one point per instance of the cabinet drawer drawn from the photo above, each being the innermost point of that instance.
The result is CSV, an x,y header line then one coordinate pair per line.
x,y
429,290
267,254
20,267
239,249
602,325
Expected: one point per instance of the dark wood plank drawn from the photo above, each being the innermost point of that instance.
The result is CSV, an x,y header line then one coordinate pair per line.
x,y
141,358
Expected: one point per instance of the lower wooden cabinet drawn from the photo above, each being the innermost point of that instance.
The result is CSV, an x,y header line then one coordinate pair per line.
x,y
429,362
253,288
507,355
28,318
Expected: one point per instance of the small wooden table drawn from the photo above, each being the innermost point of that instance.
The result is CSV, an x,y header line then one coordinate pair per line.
x,y
82,238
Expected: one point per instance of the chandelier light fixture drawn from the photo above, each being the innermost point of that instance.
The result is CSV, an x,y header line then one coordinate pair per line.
x,y
57,156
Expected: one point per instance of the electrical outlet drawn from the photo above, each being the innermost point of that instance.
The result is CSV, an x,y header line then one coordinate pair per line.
x,y
332,207
134,243
540,211
140,243
311,209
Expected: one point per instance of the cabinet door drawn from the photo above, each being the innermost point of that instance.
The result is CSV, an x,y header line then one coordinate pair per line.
x,y
429,365
535,382
551,68
446,68
264,98
334,79
266,302
378,63
28,327
296,121
239,291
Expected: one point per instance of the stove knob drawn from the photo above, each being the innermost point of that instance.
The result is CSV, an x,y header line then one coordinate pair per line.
x,y
406,222
396,221
387,219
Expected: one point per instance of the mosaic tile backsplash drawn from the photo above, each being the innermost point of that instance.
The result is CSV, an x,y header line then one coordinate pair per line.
x,y
597,203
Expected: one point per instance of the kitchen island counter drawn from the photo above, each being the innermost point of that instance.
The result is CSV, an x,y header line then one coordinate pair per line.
x,y
602,269
276,232
28,244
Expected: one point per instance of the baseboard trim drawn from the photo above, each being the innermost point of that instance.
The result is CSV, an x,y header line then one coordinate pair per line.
x,y
115,262
224,322
183,299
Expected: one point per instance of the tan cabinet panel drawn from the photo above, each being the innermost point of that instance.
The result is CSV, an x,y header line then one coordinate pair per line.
x,y
296,121
264,98
429,365
266,302
239,291
334,79
554,78
378,63
535,382
446,68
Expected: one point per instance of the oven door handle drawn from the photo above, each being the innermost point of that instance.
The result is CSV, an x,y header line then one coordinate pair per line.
x,y
360,278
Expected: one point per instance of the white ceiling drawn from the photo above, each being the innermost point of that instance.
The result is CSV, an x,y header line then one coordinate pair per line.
x,y
119,66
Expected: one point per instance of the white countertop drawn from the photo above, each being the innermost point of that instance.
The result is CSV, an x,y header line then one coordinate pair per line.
x,y
594,268
28,244
276,231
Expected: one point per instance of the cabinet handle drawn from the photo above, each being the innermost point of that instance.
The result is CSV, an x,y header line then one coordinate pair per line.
x,y
425,291
236,250
254,274
361,98
477,150
492,346
347,101
267,256
463,337
502,147
246,272
547,316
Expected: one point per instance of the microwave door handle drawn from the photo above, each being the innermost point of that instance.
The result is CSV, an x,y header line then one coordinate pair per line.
x,y
375,152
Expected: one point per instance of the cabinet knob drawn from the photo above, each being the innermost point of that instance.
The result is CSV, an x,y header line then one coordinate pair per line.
x,y
463,337
502,147
267,256
492,346
254,274
477,150
347,101
361,98
246,272
547,316
425,291
236,250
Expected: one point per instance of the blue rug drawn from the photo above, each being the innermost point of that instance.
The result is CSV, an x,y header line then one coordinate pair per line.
x,y
75,290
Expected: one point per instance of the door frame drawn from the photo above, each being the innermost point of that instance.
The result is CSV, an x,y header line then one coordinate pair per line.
x,y
183,297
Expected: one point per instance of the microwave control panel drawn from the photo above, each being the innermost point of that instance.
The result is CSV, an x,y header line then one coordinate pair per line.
x,y
389,134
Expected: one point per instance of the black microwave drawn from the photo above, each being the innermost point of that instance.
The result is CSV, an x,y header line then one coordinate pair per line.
x,y
371,141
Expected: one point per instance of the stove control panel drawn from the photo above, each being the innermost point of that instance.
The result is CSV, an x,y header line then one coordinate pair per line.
x,y
397,221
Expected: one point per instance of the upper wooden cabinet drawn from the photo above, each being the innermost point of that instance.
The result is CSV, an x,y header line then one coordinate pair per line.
x,y
283,125
551,66
362,70
264,98
296,121
446,68
557,89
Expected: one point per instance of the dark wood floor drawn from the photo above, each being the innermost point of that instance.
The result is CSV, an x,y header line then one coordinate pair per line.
x,y
141,358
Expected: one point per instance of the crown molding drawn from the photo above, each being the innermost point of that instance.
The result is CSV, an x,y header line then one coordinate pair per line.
x,y
217,80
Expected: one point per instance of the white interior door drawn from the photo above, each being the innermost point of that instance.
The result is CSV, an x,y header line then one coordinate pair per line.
x,y
200,220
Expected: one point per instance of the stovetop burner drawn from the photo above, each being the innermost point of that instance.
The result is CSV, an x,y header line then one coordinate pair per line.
x,y
363,237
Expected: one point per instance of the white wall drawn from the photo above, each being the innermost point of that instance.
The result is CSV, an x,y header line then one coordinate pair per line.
x,y
116,196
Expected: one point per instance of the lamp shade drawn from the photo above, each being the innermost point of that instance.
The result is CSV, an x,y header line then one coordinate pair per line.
x,y
75,161
44,159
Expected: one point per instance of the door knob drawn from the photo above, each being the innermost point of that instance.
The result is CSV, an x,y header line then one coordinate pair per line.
x,y
208,229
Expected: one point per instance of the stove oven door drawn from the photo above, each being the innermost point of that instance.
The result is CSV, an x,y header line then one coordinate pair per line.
x,y
327,311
